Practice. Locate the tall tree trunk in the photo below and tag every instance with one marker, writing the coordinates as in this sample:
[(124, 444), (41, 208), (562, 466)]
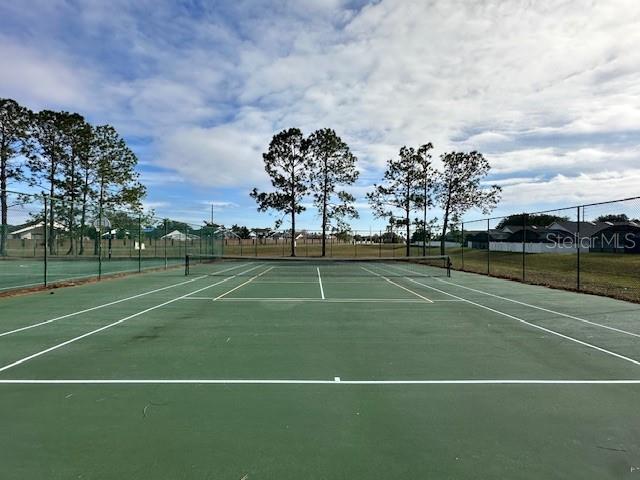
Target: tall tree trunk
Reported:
[(293, 211), (293, 230), (52, 224), (83, 215), (72, 211), (99, 233), (408, 229), (424, 222), (324, 211), (4, 206), (324, 228), (407, 217)]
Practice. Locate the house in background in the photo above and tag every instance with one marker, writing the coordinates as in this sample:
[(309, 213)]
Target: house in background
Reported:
[(34, 231), (179, 236), (619, 237), (560, 237)]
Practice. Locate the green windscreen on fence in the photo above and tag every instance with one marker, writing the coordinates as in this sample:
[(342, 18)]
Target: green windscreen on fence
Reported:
[(48, 241)]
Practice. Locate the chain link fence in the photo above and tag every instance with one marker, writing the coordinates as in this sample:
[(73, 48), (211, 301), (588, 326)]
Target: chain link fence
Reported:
[(47, 241), (593, 248), (352, 243)]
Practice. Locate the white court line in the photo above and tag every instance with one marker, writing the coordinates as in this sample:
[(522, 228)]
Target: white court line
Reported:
[(320, 281), (122, 320), (22, 286), (243, 284), (544, 309), (86, 310), (280, 282), (566, 315), (533, 325), (398, 285), (335, 381), (314, 299)]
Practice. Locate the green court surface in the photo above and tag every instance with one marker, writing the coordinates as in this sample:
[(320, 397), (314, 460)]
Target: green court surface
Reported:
[(255, 369)]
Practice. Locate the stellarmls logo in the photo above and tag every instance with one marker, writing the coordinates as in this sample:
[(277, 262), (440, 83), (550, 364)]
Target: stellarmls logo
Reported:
[(615, 241)]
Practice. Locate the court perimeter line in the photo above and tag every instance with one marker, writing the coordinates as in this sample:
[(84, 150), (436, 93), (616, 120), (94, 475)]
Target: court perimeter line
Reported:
[(86, 310), (122, 320), (397, 285), (544, 329), (543, 309), (243, 284), (22, 286), (566, 315), (320, 281), (335, 381)]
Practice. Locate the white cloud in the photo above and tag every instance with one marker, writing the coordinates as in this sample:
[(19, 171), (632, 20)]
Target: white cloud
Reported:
[(537, 86), (44, 80), (580, 189)]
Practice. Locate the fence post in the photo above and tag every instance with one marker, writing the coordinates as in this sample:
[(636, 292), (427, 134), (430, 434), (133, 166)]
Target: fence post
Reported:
[(578, 248), (488, 250), (99, 240), (139, 243), (524, 244), (462, 248), (46, 239), (166, 260)]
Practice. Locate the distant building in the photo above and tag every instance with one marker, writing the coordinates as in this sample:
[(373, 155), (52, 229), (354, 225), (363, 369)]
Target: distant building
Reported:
[(563, 236), (34, 231), (179, 236)]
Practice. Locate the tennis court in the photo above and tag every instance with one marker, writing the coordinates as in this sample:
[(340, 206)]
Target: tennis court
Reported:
[(355, 368)]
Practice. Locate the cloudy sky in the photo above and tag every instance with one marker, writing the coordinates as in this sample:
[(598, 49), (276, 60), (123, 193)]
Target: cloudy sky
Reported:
[(548, 91)]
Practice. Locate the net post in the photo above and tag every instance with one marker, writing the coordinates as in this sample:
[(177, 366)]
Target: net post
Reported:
[(578, 247), (448, 260), (186, 265), (45, 238)]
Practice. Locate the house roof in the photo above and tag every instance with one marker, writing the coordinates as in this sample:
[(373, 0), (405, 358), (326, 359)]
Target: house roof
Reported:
[(589, 229), (178, 235), (34, 226)]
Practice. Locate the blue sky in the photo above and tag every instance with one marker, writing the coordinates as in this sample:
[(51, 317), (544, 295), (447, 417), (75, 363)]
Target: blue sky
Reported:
[(548, 91)]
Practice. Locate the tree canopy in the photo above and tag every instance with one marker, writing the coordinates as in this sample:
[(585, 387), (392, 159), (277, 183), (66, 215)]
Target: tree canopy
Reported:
[(331, 166), (538, 220), (285, 163), (459, 188), (406, 187)]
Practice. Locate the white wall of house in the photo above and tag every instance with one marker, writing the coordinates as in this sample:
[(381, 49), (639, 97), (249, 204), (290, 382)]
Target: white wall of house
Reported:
[(436, 243), (534, 248)]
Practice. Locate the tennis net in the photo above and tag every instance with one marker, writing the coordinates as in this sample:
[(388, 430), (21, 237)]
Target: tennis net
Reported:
[(294, 267)]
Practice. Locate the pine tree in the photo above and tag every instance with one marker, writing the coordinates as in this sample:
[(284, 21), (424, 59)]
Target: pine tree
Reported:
[(287, 167), (331, 165)]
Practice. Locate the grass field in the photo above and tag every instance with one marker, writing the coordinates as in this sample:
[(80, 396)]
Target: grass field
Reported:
[(259, 369), (616, 275)]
